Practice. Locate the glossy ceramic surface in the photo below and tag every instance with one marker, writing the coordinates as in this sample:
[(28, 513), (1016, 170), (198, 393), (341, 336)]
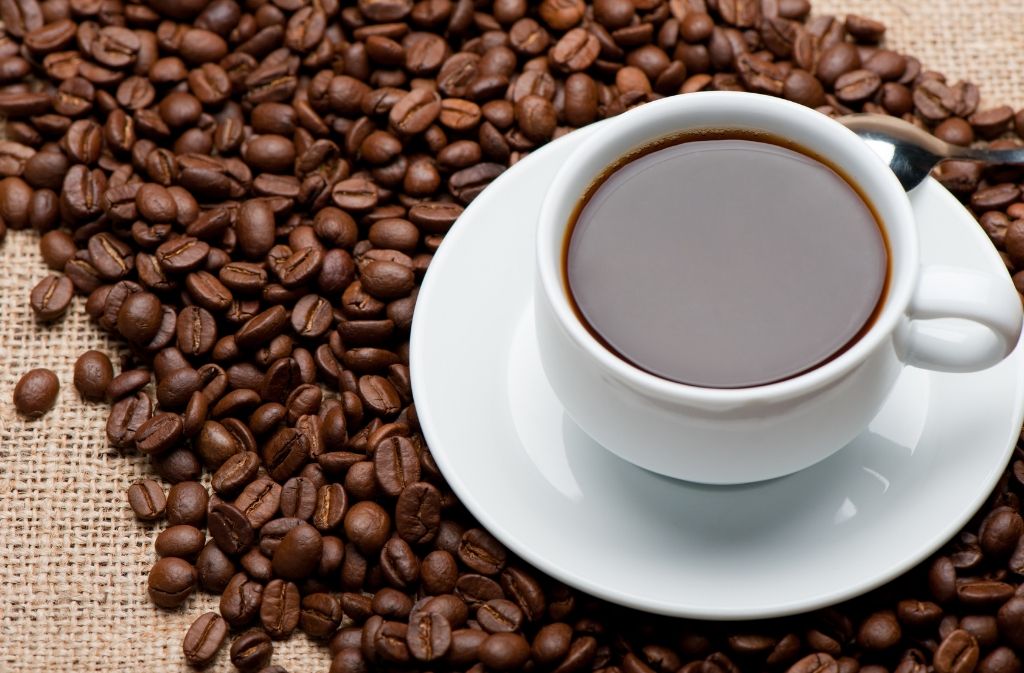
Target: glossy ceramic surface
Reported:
[(767, 431), (596, 522)]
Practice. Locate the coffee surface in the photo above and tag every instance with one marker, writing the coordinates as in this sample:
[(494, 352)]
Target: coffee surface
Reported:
[(726, 263)]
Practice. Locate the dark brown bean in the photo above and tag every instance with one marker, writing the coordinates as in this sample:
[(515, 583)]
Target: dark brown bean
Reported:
[(36, 392), (368, 526), (51, 297), (159, 433), (958, 653), (171, 581), (182, 541), (279, 609), (204, 638), (240, 602), (230, 528), (259, 501), (251, 651), (147, 500), (237, 471), (187, 504), (879, 631)]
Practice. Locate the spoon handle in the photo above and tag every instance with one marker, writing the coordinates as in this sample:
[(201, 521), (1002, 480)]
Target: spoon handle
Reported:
[(992, 157)]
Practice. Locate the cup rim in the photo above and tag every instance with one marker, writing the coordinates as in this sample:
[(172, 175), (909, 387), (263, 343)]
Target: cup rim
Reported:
[(588, 160)]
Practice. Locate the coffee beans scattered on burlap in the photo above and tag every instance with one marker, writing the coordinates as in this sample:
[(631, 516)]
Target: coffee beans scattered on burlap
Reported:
[(248, 194)]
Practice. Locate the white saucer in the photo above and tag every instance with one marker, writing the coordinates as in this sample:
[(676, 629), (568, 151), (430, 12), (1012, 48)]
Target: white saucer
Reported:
[(595, 522)]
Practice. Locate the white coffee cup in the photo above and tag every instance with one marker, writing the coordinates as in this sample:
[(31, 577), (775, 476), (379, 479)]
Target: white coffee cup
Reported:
[(730, 436)]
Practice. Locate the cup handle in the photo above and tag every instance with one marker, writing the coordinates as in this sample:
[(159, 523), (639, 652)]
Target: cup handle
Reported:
[(985, 299)]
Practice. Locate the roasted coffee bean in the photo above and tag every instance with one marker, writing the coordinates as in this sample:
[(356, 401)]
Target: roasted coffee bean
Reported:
[(391, 604), (312, 316), (504, 651), (262, 327), (918, 614), (140, 317), (51, 297), (147, 500), (955, 131), (187, 503), (251, 651), (356, 194), (415, 111), (285, 453), (203, 639), (56, 248), (438, 573), (36, 392), (525, 591), (499, 616), (481, 552), (243, 277), (880, 631), (174, 390), (259, 501), (399, 564), (991, 123), (1000, 660), (171, 581), (332, 557), (230, 528), (321, 613), (196, 331), (396, 465), (466, 185), (177, 465), (476, 589), (575, 51), (159, 433), (857, 85), (368, 525), (194, 415), (418, 513), (435, 217), (1010, 619), (465, 646), (182, 254), (1000, 532), (331, 506), (240, 602), (279, 610), (984, 594), (379, 395), (957, 653), (552, 642), (429, 636), (181, 541), (237, 471), (214, 568), (298, 498)]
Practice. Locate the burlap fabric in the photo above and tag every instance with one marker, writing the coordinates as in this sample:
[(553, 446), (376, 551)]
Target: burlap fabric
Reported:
[(73, 560)]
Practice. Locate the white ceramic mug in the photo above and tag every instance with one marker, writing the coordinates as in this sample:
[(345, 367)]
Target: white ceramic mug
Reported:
[(730, 436)]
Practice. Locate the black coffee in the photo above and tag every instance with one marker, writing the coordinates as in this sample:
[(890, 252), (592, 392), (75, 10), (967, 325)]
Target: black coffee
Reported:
[(726, 260)]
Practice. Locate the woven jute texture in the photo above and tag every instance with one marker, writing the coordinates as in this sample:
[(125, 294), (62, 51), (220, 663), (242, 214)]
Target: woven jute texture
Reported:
[(73, 560)]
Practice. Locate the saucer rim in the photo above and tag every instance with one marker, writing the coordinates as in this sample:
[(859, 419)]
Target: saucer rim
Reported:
[(929, 190)]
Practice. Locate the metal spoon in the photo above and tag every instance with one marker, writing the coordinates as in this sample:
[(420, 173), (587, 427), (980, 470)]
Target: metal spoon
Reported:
[(912, 152)]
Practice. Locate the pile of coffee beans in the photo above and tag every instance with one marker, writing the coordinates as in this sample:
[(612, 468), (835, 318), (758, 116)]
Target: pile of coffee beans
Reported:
[(248, 193)]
